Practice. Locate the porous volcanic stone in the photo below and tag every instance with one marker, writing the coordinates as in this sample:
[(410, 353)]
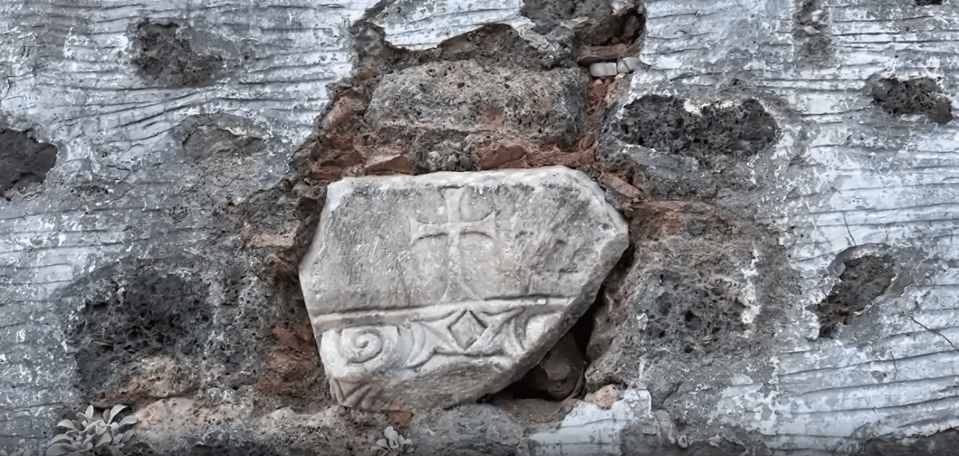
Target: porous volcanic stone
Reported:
[(465, 97), (431, 290)]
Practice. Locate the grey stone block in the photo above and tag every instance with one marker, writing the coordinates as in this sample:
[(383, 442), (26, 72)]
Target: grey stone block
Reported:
[(603, 69), (428, 291), (468, 98)]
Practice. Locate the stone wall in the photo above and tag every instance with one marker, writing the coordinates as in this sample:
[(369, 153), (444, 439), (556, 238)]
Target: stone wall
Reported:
[(787, 168)]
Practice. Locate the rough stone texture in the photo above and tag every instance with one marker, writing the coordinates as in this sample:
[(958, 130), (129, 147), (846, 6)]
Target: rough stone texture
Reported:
[(915, 96), (447, 119), (843, 174), (126, 190), (431, 290), (811, 33), (150, 171), (494, 126), (864, 278), (24, 161), (943, 443), (547, 25), (168, 59), (546, 107), (469, 430), (147, 174), (705, 134), (220, 422)]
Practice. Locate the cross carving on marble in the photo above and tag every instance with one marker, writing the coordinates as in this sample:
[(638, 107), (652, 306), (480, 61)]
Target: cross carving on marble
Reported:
[(455, 228)]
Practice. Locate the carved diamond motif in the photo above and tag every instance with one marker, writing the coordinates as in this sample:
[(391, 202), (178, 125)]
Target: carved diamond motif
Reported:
[(431, 290), (467, 329)]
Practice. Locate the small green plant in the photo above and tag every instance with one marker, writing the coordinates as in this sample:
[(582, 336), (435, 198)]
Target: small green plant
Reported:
[(20, 452), (91, 434), (393, 445)]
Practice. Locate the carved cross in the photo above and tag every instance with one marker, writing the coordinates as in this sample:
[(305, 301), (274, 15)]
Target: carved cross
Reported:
[(454, 228)]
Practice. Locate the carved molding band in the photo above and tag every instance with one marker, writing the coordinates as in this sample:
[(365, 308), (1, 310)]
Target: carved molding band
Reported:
[(429, 290)]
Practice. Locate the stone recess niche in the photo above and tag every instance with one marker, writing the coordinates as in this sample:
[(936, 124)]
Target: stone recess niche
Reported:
[(428, 291)]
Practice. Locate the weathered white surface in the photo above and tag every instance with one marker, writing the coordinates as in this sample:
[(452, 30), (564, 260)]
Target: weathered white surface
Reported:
[(603, 69), (83, 92), (66, 72), (591, 430), (427, 291), (866, 178), (421, 25)]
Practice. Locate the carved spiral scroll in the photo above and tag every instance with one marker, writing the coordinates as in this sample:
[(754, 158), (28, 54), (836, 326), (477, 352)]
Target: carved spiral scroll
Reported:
[(363, 345)]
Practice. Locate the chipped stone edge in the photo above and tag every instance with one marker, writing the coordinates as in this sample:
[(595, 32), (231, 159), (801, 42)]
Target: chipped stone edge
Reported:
[(613, 249)]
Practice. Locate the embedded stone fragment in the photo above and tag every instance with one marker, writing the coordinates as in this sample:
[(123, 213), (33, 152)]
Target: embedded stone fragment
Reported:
[(465, 97), (603, 69), (431, 290)]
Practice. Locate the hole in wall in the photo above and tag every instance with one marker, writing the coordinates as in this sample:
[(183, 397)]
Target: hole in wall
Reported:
[(561, 373)]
